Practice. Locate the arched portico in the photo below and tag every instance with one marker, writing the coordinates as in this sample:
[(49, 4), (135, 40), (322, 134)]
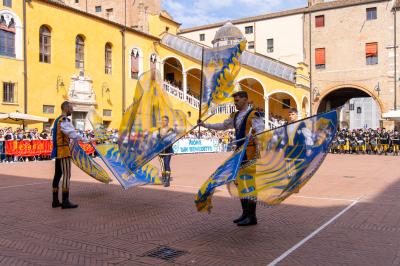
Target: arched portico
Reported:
[(355, 108), (193, 77), (173, 71), (280, 102)]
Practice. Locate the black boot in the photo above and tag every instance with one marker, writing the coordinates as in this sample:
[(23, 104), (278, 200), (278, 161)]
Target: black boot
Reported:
[(167, 177), (243, 202), (66, 204), (56, 203), (251, 218), (163, 178)]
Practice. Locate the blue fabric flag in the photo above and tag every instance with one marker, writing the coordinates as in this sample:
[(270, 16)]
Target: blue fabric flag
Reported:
[(225, 174)]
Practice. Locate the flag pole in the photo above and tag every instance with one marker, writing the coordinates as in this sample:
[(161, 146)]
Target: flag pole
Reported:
[(201, 86)]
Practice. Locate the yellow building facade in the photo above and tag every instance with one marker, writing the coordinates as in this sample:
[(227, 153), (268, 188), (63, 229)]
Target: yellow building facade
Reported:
[(90, 61)]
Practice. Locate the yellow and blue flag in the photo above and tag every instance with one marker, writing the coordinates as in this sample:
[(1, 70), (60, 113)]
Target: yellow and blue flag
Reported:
[(87, 164), (139, 135), (288, 157), (220, 67), (147, 174), (111, 156), (225, 174)]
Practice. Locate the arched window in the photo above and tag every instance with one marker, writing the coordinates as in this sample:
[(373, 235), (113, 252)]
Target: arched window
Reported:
[(153, 61), (108, 58), (135, 63), (79, 52), (7, 37), (44, 45)]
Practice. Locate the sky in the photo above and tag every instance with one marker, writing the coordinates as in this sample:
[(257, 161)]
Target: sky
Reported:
[(193, 13)]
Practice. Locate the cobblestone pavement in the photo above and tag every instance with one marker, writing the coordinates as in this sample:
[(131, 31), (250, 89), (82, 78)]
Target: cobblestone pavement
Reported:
[(113, 226)]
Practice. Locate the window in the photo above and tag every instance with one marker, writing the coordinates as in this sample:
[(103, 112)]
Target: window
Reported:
[(248, 29), (7, 37), (371, 53), (7, 3), (351, 107), (109, 12), (9, 92), (320, 58), (371, 13), (97, 8), (250, 45), (48, 109), (106, 112), (79, 52), (135, 63), (286, 104), (359, 110), (202, 37), (44, 45), (319, 21), (270, 45), (108, 59), (153, 61)]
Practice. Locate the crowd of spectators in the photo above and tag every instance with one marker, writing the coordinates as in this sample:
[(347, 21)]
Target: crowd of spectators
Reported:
[(276, 121), (19, 134), (357, 141), (366, 141), (8, 134)]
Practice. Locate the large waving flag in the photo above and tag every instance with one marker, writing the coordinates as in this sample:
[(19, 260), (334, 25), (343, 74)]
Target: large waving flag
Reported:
[(110, 154), (147, 174), (220, 67), (139, 140), (289, 157), (225, 174), (87, 164)]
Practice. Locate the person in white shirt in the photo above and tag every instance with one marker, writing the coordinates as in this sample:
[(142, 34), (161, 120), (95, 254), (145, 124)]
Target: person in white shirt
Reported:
[(63, 132)]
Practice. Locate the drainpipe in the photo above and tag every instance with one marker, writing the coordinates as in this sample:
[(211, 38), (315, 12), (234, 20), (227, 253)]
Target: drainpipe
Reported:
[(125, 14), (310, 61), (123, 71), (395, 58), (25, 62)]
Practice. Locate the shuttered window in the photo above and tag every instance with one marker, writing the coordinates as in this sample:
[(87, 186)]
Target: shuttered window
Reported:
[(371, 53), (319, 21), (320, 58)]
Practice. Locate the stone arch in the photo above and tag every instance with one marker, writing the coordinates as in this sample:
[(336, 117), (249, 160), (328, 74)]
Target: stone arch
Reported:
[(173, 70), (344, 93), (255, 90), (280, 102), (176, 58), (358, 110)]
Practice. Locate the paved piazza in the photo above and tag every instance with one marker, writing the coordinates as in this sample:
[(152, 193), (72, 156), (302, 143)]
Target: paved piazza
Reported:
[(348, 214)]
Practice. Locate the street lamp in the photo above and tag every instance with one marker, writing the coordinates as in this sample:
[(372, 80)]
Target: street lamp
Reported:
[(316, 94), (377, 88)]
